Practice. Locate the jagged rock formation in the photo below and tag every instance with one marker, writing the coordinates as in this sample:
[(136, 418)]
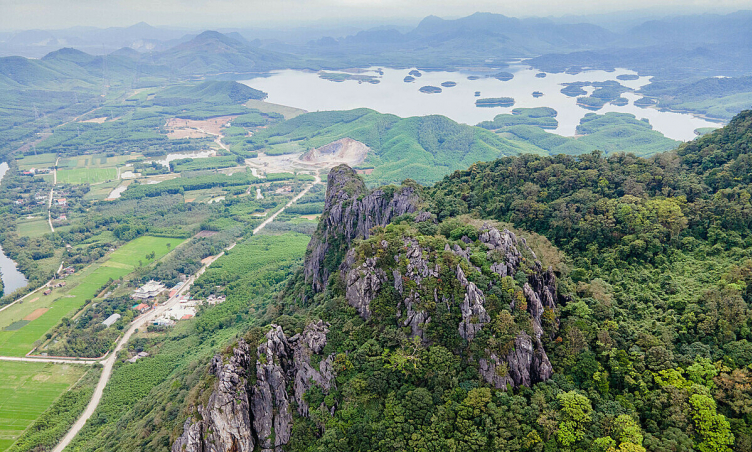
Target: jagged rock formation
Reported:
[(239, 417), (350, 211), (526, 363)]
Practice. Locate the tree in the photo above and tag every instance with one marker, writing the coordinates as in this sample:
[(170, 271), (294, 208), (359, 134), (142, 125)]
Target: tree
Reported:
[(576, 414), (713, 430)]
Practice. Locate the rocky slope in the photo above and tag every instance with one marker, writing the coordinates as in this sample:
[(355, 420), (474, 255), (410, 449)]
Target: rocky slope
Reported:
[(241, 416), (480, 292), (350, 211)]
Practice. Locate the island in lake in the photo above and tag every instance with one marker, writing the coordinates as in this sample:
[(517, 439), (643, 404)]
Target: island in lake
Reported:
[(537, 94), (341, 77), (473, 77), (495, 102), (477, 94), (541, 75), (415, 73), (645, 102), (430, 89), (409, 79), (503, 76), (449, 84), (620, 102), (627, 77)]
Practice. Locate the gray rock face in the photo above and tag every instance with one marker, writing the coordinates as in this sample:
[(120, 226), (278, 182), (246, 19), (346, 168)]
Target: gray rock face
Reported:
[(474, 315), (525, 364), (237, 417), (363, 284), (350, 211)]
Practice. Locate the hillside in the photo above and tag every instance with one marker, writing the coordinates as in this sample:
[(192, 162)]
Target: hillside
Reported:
[(421, 148)]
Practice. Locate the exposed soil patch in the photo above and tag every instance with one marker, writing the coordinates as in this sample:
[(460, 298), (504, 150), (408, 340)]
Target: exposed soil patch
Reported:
[(206, 234), (345, 150), (190, 128), (97, 120), (36, 314)]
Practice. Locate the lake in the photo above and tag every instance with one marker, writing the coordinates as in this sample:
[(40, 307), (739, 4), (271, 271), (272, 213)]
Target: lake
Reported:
[(12, 278), (306, 90)]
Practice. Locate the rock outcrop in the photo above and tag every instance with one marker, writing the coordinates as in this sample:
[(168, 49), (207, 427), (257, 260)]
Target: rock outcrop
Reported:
[(238, 416), (350, 211), (344, 150)]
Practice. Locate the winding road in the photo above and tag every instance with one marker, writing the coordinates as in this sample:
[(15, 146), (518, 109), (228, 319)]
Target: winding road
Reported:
[(140, 321)]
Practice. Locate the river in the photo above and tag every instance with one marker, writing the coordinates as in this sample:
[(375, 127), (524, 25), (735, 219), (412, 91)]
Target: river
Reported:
[(306, 90), (12, 278)]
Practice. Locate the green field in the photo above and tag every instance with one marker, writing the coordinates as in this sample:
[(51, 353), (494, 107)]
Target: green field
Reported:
[(96, 161), (33, 228), (86, 175), (28, 389), (37, 161), (82, 286)]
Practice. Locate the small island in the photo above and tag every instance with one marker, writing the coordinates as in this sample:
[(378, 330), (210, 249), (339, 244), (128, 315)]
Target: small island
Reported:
[(409, 79), (574, 89), (541, 75), (415, 73), (473, 77), (341, 77), (645, 102), (503, 76), (627, 77), (620, 102), (430, 89), (537, 94), (477, 94), (449, 84), (494, 102)]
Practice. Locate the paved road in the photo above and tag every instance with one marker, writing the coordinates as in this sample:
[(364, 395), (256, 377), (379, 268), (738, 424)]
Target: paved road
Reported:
[(149, 316)]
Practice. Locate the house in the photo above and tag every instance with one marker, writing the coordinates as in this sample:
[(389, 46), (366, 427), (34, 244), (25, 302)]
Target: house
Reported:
[(142, 307), (62, 202), (19, 202), (111, 320), (148, 290), (215, 299), (48, 291), (138, 356), (164, 322), (186, 317), (176, 289)]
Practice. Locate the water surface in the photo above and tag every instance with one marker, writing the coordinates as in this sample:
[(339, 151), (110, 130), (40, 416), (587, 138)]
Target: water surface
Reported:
[(12, 278), (308, 91)]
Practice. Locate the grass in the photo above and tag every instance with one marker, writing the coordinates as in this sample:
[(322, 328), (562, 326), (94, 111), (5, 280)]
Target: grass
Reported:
[(37, 161), (96, 161), (86, 175), (266, 107), (28, 389), (83, 286), (33, 228), (102, 191)]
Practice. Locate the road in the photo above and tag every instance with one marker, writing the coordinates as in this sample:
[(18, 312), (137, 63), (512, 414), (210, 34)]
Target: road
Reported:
[(139, 322)]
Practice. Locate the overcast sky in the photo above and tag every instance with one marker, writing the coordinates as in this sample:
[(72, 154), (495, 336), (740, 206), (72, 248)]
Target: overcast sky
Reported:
[(50, 14)]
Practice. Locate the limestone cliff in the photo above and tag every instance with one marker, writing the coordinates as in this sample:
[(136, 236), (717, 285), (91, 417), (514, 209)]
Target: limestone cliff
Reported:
[(350, 211), (239, 416)]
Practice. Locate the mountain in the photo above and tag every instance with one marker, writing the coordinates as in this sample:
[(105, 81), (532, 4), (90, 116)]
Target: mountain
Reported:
[(212, 52)]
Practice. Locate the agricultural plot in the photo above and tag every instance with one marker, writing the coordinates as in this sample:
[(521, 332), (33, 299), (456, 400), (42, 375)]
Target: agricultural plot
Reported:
[(96, 161), (28, 389), (33, 228), (86, 175), (37, 161), (20, 328)]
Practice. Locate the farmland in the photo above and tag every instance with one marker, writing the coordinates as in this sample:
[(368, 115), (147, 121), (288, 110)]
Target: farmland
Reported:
[(18, 335), (28, 390), (86, 175)]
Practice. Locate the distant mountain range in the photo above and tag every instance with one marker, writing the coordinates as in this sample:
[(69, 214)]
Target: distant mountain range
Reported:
[(682, 48)]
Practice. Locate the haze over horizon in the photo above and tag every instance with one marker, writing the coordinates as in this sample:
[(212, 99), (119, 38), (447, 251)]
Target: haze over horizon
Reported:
[(57, 14)]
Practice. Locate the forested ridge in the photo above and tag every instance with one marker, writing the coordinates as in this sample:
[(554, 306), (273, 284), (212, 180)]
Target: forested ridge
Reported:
[(649, 340)]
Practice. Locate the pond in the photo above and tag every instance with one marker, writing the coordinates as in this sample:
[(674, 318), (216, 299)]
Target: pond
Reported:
[(12, 278), (306, 90)]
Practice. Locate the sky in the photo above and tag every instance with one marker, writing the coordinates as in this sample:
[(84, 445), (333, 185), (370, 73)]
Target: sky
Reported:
[(56, 14)]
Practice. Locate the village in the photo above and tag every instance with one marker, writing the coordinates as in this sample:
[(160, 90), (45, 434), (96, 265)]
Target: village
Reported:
[(154, 293)]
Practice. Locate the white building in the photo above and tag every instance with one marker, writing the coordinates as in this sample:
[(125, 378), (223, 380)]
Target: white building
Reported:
[(111, 320), (148, 290)]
